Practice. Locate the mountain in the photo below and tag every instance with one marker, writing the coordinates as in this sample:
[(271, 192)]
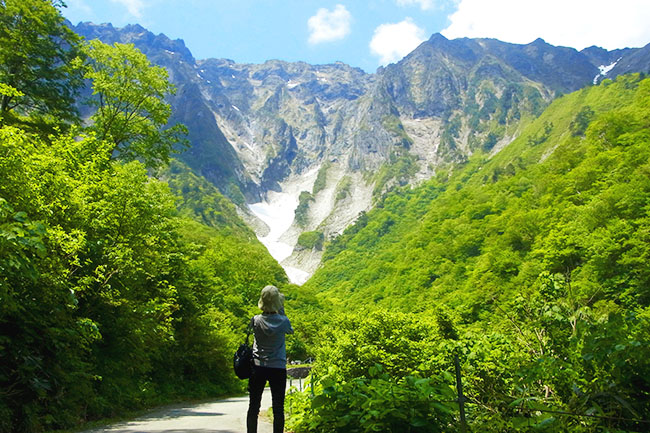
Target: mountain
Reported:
[(637, 61), (526, 270), (569, 197), (326, 141), (210, 154)]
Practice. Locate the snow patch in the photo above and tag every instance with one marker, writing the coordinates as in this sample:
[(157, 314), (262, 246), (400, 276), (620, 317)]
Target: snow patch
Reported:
[(322, 77), (326, 214), (235, 107), (605, 69), (297, 276), (277, 212), (170, 52), (248, 146)]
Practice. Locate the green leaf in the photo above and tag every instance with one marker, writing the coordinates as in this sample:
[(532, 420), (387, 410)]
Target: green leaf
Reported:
[(419, 422), (520, 422), (21, 216), (318, 401), (544, 423)]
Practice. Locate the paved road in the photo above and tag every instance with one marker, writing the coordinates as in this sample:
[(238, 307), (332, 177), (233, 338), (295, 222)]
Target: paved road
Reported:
[(222, 416)]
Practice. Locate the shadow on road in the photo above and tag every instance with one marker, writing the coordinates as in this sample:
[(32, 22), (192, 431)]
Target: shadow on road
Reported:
[(223, 416), (180, 412), (179, 431)]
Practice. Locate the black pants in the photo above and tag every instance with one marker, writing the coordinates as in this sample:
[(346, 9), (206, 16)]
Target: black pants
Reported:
[(277, 378)]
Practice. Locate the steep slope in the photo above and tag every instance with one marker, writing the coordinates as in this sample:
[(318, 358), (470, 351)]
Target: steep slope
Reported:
[(210, 154), (569, 196), (321, 144), (636, 61)]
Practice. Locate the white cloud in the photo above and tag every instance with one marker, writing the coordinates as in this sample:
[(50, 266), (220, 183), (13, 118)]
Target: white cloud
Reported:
[(327, 26), (391, 42), (573, 23), (424, 4), (134, 7)]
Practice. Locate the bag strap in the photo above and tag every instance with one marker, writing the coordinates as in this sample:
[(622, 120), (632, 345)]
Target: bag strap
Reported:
[(249, 330)]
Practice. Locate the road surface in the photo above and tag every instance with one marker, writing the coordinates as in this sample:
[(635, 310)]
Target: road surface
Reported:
[(222, 416)]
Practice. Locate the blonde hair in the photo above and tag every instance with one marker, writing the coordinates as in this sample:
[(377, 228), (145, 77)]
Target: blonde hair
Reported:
[(271, 300)]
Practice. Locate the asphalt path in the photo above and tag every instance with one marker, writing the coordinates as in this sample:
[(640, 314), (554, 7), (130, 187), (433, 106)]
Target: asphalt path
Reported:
[(222, 416)]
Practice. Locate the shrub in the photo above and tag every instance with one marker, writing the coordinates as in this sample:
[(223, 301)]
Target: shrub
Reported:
[(311, 240)]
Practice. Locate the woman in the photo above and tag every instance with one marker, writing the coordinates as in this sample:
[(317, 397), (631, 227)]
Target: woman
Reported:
[(269, 358)]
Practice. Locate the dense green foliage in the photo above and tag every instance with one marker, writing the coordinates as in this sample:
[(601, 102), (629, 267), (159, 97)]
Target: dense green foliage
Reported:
[(110, 300), (321, 178), (377, 402), (374, 373), (540, 255), (203, 202), (129, 94), (302, 210), (40, 60), (116, 292), (552, 357), (310, 240)]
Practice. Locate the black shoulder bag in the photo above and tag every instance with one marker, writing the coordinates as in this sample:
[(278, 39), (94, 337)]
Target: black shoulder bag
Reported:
[(243, 359)]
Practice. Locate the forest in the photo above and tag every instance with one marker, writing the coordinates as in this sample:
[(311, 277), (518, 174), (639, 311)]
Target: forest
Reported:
[(530, 266), (126, 280)]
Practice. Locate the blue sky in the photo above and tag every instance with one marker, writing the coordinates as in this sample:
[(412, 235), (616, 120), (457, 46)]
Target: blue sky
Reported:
[(367, 33)]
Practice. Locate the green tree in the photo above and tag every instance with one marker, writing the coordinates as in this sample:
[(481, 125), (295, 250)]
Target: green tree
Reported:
[(310, 240), (40, 59), (579, 125), (108, 299), (129, 94), (302, 210)]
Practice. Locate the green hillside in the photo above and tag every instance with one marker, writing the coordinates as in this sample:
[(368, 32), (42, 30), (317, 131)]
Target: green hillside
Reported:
[(569, 196), (531, 266), (126, 280), (202, 201), (118, 290)]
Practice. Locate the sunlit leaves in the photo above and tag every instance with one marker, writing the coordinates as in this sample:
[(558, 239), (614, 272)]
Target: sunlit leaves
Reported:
[(541, 254), (39, 60), (104, 291), (129, 94)]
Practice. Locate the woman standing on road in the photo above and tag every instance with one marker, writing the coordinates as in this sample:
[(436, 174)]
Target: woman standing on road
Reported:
[(269, 358)]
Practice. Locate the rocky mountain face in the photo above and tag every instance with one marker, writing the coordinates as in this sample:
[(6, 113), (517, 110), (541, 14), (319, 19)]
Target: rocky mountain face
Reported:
[(210, 154), (326, 140)]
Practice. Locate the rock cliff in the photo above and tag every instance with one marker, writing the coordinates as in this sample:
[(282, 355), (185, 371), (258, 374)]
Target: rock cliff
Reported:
[(333, 138)]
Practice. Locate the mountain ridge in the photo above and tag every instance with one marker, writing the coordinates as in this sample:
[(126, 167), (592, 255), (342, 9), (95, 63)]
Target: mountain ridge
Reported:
[(493, 227), (257, 128)]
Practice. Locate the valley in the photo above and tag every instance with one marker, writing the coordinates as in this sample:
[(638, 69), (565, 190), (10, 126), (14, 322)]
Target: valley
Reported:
[(258, 130), (278, 213), (475, 215)]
